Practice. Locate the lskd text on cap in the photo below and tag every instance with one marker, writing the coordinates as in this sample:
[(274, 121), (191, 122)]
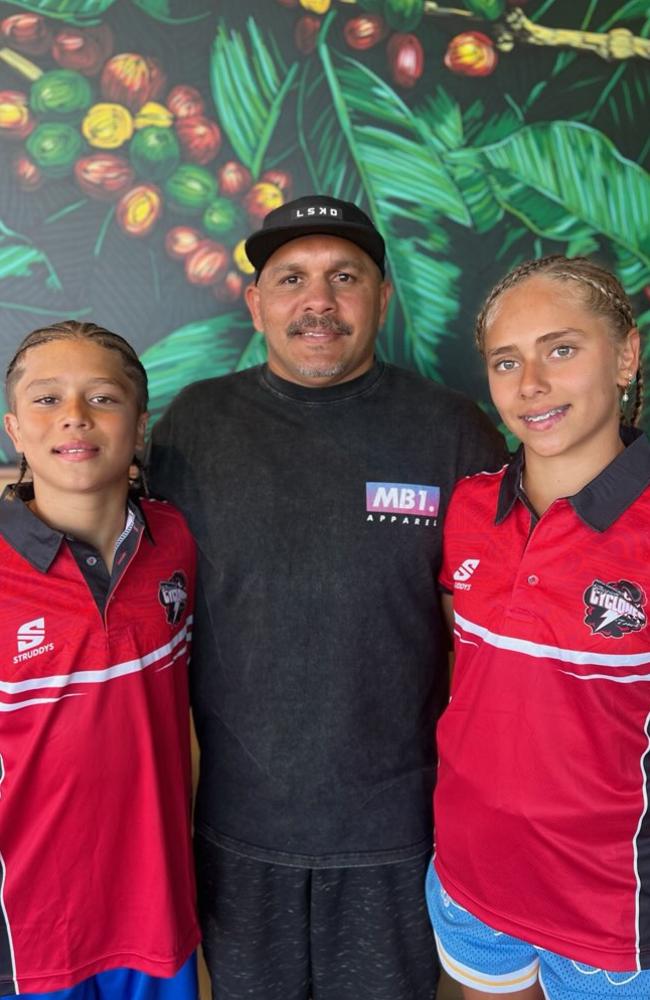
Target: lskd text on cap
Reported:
[(316, 210)]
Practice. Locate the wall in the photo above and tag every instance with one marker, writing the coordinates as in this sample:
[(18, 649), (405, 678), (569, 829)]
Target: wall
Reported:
[(476, 135)]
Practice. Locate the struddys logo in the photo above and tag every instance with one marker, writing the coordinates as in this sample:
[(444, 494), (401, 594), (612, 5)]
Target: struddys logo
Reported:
[(31, 640), (403, 503), (613, 609), (172, 594)]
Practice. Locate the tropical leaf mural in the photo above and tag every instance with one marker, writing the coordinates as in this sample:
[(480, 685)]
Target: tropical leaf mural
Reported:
[(207, 346), (249, 88), (141, 141)]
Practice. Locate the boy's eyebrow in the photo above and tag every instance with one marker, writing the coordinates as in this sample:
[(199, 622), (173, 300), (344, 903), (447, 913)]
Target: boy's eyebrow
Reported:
[(36, 382), (553, 335), (53, 380)]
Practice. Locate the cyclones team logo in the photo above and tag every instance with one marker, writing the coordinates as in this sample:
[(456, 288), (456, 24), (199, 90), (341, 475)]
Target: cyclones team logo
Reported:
[(172, 594), (613, 609)]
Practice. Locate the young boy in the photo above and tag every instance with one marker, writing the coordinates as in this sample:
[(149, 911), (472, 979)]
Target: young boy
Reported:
[(96, 883)]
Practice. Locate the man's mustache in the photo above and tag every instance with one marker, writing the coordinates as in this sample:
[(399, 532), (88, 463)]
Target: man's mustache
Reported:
[(310, 321)]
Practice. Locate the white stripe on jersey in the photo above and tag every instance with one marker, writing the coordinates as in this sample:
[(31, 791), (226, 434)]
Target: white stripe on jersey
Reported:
[(13, 706), (541, 651), (99, 676)]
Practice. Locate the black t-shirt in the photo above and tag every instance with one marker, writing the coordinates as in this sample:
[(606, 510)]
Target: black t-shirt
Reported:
[(320, 656)]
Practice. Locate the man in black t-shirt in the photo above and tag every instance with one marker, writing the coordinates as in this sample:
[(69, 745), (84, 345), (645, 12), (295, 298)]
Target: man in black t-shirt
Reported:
[(315, 486)]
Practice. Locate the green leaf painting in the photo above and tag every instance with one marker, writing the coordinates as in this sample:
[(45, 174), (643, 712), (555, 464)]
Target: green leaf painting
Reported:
[(80, 12), (562, 179), (196, 351), (249, 88), (19, 258), (90, 12), (161, 10)]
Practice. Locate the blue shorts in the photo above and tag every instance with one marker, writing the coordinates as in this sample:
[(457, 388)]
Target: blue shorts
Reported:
[(487, 960), (127, 984)]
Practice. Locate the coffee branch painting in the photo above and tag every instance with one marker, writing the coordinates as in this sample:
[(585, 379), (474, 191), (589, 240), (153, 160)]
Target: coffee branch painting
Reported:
[(142, 140)]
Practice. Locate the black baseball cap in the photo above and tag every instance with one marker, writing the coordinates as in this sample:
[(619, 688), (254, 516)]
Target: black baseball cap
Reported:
[(315, 213)]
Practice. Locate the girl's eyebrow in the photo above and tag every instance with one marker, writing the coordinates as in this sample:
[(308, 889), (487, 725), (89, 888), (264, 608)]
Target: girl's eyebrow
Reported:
[(552, 335)]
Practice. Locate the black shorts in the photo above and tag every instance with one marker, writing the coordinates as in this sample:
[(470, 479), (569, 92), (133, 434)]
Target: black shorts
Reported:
[(274, 932)]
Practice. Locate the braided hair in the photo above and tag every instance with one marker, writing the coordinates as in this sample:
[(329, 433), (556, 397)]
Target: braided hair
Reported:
[(602, 293), (73, 330)]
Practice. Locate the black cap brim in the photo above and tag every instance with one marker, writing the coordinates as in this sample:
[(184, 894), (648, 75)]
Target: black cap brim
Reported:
[(262, 244)]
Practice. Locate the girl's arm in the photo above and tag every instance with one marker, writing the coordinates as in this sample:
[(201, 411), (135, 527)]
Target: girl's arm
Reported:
[(448, 612)]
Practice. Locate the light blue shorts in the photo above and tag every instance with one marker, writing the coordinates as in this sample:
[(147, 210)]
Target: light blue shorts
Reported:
[(127, 984), (487, 960)]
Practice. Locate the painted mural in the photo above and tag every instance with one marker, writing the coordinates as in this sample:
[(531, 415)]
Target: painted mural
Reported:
[(142, 140)]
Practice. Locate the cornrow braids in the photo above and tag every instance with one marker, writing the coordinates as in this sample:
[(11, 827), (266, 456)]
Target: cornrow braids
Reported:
[(602, 293), (514, 277), (138, 482), (22, 469), (72, 330)]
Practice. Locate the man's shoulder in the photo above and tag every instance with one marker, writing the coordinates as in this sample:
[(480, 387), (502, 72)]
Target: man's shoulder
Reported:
[(440, 398)]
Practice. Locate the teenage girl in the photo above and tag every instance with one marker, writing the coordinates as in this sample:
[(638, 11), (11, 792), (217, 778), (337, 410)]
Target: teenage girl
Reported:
[(96, 884), (541, 880)]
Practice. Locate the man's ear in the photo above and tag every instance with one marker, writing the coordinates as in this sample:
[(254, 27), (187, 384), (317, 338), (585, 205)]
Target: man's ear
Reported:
[(385, 295), (252, 296)]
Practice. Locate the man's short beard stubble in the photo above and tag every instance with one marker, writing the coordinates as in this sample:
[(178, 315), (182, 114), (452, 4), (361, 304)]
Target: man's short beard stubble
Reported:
[(312, 322)]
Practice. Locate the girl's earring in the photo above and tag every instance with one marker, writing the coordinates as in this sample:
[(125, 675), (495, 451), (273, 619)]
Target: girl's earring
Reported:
[(625, 398)]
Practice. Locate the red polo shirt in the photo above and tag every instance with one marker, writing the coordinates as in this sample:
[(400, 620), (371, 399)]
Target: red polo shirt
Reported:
[(95, 859), (541, 807)]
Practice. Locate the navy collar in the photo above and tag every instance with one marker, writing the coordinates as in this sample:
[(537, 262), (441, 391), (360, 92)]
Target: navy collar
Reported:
[(32, 538), (606, 497)]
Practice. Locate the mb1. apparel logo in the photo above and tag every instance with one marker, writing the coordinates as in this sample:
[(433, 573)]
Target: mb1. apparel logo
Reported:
[(613, 609), (406, 503)]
